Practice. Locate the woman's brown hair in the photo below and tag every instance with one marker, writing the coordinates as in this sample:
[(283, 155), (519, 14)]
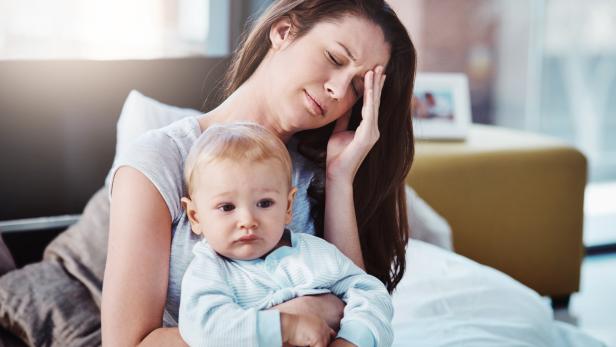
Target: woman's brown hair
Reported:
[(380, 200)]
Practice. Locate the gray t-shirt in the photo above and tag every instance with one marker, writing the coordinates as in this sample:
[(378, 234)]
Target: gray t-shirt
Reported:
[(159, 155)]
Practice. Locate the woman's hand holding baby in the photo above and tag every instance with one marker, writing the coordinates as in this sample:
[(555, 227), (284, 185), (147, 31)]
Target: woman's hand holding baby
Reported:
[(305, 330), (327, 306)]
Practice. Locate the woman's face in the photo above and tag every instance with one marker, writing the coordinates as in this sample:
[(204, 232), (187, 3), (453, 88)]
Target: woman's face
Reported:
[(318, 77)]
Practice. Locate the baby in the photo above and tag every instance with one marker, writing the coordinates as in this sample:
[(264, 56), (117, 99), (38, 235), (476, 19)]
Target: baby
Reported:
[(239, 199)]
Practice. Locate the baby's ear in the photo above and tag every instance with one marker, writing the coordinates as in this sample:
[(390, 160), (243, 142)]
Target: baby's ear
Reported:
[(191, 212), (290, 200)]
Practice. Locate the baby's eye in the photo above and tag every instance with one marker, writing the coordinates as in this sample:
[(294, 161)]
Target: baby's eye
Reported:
[(226, 207), (265, 203)]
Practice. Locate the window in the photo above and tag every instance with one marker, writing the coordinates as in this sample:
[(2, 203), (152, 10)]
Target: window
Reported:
[(112, 29), (545, 66)]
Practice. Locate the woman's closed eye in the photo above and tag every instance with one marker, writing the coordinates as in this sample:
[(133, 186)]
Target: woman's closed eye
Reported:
[(338, 63), (225, 207), (333, 59), (265, 203)]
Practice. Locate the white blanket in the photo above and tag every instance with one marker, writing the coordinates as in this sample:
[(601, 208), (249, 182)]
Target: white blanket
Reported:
[(445, 299)]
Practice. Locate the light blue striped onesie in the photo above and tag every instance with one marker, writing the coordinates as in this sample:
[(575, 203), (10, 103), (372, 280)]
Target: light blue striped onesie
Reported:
[(224, 302)]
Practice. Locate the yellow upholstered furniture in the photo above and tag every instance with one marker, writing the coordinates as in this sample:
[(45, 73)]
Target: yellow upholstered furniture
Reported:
[(514, 201)]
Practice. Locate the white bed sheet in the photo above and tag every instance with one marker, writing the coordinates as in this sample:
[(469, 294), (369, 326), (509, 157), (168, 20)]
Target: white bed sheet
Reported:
[(445, 299)]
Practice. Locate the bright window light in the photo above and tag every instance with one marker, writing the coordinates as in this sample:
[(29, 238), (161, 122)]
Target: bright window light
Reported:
[(102, 29)]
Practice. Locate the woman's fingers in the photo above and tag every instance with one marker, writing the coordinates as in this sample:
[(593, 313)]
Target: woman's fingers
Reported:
[(378, 85), (368, 106), (367, 133), (374, 81), (378, 90)]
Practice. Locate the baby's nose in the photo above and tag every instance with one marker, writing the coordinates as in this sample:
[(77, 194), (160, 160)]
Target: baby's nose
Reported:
[(247, 220)]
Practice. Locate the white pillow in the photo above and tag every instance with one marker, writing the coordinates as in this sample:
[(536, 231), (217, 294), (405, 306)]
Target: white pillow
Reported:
[(141, 113), (427, 225)]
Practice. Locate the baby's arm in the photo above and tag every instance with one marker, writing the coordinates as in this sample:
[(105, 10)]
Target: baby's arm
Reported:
[(369, 310)]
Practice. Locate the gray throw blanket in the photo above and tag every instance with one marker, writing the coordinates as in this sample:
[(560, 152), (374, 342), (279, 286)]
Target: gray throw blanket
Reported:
[(56, 302)]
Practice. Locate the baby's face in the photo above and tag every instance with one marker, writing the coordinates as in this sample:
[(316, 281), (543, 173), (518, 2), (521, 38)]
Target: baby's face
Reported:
[(242, 207)]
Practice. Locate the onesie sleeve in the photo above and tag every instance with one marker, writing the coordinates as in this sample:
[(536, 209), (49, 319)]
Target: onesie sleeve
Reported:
[(369, 310)]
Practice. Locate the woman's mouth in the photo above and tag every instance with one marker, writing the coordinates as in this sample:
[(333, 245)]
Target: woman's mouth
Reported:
[(314, 107)]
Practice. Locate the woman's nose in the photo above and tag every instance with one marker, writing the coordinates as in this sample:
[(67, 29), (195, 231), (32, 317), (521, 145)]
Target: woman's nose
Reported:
[(338, 85)]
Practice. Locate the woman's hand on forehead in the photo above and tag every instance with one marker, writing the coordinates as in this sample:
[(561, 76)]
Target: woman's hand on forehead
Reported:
[(347, 149)]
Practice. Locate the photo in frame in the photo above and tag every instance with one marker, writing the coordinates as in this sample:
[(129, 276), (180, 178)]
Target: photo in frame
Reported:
[(441, 106)]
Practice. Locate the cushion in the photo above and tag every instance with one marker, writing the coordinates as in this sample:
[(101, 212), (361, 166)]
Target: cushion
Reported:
[(82, 248), (141, 114), (56, 302), (44, 306), (425, 223)]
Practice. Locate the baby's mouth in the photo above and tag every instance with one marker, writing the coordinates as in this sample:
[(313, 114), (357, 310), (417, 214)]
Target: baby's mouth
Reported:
[(248, 238)]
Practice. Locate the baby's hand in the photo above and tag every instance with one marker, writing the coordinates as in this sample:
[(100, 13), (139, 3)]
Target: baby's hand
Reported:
[(305, 330)]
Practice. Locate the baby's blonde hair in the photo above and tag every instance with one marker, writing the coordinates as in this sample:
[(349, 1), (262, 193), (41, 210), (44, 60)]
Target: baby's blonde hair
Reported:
[(240, 141)]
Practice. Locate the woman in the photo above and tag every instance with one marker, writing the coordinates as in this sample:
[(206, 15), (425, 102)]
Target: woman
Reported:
[(301, 72)]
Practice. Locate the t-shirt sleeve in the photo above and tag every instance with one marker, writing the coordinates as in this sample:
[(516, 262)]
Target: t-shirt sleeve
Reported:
[(160, 159)]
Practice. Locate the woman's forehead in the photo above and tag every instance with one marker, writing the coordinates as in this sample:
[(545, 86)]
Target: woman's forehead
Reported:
[(360, 38)]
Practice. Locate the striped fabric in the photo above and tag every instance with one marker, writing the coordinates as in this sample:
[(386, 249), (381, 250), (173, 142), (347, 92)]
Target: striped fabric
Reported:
[(224, 302)]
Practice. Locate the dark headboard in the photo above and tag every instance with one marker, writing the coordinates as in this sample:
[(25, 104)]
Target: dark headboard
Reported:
[(57, 123)]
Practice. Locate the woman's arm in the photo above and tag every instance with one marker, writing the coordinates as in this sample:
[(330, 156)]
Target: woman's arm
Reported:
[(164, 337), (346, 150), (137, 268), (340, 220)]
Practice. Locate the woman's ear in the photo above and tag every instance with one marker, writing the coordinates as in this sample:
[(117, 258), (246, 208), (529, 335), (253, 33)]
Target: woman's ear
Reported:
[(191, 212), (290, 199), (281, 33)]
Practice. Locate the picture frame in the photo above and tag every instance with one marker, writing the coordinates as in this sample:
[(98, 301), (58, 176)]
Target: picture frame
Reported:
[(440, 106)]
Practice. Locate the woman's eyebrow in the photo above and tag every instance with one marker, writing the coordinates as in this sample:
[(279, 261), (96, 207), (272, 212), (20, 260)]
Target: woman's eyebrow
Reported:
[(347, 51)]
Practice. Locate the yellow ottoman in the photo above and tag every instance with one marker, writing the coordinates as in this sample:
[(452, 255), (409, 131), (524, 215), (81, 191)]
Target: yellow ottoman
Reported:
[(514, 201)]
